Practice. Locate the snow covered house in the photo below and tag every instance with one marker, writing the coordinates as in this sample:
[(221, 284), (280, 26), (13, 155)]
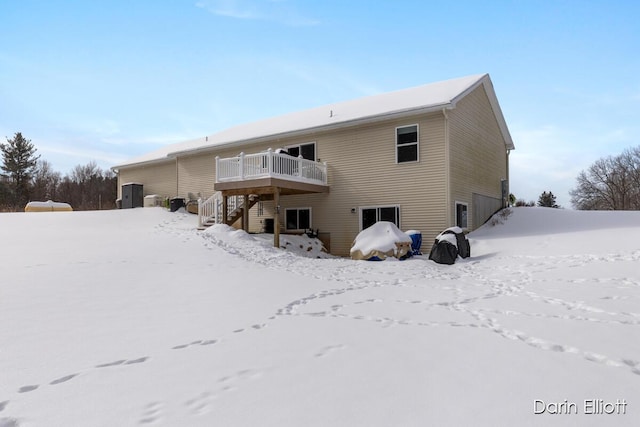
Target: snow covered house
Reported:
[(425, 158)]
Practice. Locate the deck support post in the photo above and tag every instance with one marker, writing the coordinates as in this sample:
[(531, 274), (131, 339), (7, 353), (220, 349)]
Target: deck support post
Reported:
[(225, 209), (245, 213), (276, 217)]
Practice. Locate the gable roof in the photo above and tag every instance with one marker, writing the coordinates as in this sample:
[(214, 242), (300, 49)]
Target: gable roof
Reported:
[(421, 99)]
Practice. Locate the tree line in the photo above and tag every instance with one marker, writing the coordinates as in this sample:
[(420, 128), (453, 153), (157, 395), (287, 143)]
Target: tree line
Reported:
[(546, 200), (25, 177), (610, 183)]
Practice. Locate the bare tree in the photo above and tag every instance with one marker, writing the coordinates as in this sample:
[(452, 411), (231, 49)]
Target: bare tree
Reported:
[(610, 183), (88, 187), (523, 203), (45, 182)]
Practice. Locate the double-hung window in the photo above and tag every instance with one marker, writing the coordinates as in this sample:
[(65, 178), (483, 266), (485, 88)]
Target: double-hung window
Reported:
[(407, 144), (297, 218), (373, 214)]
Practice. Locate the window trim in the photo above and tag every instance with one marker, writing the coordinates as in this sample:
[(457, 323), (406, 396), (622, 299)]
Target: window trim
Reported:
[(299, 146), (466, 205), (286, 210), (417, 143), (377, 208)]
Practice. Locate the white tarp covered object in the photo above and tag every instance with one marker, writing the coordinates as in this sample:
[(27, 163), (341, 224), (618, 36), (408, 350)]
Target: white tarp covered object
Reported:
[(48, 206), (382, 240)]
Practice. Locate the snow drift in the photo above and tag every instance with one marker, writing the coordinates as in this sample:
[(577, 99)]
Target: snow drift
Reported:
[(139, 319)]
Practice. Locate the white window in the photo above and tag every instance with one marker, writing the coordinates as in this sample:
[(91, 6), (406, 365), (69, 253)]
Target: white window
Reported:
[(461, 215), (307, 151), (297, 218), (371, 214), (407, 144)]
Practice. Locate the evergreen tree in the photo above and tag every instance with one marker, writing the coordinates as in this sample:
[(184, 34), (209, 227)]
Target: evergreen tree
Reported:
[(547, 200), (19, 162)]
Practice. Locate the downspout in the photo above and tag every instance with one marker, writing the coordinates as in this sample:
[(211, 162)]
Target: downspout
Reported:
[(506, 202), (177, 179), (447, 168), (118, 186)]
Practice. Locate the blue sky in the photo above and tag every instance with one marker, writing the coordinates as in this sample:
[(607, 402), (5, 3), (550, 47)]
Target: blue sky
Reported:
[(108, 80)]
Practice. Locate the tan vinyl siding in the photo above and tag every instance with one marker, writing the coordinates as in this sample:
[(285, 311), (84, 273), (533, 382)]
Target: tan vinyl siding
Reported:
[(196, 175), (363, 171), (477, 152), (157, 178), (462, 158)]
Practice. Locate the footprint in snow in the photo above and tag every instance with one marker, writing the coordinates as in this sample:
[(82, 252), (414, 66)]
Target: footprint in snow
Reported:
[(63, 379), (3, 405), (180, 347), (27, 388), (201, 404), (9, 422), (134, 361), (116, 363), (123, 362), (197, 342), (329, 349), (151, 413)]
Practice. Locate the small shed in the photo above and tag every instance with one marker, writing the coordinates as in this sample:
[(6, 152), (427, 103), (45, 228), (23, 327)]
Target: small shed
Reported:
[(132, 195)]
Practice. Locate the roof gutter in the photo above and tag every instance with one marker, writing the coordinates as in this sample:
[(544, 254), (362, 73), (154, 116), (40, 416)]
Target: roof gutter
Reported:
[(116, 169)]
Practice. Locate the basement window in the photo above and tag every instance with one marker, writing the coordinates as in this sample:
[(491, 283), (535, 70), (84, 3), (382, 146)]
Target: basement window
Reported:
[(372, 214), (297, 219)]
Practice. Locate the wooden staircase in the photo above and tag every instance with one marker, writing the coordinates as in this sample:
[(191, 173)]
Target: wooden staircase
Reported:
[(238, 211), (210, 210)]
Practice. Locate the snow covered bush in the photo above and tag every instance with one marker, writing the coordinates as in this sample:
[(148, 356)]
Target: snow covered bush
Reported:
[(501, 216)]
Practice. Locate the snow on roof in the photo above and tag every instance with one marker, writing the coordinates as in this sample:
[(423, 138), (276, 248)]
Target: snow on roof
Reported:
[(427, 97)]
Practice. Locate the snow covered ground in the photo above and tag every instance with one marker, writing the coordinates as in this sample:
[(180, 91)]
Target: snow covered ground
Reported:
[(132, 317)]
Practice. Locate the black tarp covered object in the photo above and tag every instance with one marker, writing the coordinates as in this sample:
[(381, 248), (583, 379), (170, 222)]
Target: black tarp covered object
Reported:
[(448, 245)]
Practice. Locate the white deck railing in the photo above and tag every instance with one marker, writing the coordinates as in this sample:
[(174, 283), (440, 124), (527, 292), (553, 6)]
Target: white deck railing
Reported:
[(210, 210), (270, 164)]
